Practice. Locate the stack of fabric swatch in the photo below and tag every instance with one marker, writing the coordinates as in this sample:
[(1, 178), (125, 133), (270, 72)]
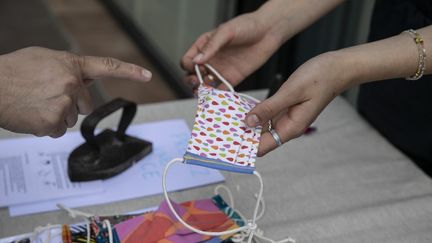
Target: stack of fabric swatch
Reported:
[(158, 226)]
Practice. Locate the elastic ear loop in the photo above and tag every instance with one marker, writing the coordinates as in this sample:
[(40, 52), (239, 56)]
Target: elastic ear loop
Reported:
[(239, 237), (218, 75), (222, 79), (250, 227)]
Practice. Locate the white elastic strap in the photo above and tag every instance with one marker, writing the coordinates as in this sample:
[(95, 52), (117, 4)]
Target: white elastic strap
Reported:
[(249, 227), (228, 191), (218, 75), (217, 190), (221, 78), (88, 231), (107, 224), (73, 213), (263, 207), (241, 236)]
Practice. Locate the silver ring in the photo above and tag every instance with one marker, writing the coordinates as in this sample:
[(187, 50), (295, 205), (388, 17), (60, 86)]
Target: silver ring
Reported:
[(275, 137)]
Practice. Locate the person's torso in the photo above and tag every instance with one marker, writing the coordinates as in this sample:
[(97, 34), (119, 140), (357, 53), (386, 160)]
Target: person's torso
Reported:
[(401, 110)]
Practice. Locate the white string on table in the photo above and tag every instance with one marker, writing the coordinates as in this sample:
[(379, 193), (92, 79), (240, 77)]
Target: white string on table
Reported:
[(249, 230)]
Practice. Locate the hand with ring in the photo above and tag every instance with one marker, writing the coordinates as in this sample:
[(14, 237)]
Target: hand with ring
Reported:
[(299, 101)]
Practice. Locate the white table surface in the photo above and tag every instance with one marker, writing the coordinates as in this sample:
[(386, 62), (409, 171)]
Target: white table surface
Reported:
[(344, 183)]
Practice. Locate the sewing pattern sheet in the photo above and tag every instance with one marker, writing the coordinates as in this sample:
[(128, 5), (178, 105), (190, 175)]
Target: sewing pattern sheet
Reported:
[(169, 140), (35, 169)]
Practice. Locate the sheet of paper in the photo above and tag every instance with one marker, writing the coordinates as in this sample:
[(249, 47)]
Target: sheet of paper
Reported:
[(35, 169), (169, 140)]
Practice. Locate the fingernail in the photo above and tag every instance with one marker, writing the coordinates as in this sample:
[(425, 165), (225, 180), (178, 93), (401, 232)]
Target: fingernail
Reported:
[(252, 121), (147, 74), (198, 58)]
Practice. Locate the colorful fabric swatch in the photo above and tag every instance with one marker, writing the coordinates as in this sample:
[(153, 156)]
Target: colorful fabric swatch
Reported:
[(161, 225)]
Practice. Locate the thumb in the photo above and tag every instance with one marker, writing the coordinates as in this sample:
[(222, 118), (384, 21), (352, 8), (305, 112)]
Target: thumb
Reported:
[(107, 67), (269, 108), (222, 36)]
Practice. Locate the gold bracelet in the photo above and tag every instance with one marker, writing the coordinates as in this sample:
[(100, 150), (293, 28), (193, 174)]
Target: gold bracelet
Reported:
[(418, 40)]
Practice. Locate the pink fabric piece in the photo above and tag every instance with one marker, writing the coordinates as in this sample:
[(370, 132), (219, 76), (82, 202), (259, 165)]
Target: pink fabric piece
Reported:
[(161, 225)]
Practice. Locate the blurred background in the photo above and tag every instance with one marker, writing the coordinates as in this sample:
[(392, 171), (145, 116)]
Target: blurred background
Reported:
[(156, 33)]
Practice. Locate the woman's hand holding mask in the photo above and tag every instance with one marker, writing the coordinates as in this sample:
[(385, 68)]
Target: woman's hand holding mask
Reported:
[(240, 46), (236, 48), (300, 99)]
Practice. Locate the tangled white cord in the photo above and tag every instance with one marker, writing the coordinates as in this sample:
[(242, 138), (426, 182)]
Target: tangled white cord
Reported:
[(249, 227), (249, 231), (232, 205)]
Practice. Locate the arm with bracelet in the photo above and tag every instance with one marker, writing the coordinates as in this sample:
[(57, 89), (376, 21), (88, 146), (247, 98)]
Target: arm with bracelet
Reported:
[(314, 84), (404, 55)]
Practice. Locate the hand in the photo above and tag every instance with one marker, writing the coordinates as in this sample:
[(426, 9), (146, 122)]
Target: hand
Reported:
[(42, 91), (236, 48), (240, 46), (300, 99)]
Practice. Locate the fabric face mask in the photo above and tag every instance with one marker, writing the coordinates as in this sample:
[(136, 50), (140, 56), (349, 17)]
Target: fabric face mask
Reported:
[(220, 139)]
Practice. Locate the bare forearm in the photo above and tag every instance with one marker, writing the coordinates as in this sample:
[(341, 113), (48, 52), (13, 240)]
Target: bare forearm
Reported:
[(395, 57), (289, 17)]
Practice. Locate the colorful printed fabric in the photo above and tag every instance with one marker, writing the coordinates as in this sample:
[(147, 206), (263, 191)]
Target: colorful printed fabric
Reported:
[(220, 139), (224, 207), (161, 225)]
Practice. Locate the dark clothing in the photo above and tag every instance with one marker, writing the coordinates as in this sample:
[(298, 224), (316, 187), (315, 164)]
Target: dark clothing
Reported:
[(401, 110)]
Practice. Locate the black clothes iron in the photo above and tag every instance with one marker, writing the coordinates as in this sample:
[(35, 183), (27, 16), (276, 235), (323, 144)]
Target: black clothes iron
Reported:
[(110, 152)]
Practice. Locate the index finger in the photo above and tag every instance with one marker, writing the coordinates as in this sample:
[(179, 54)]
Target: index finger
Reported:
[(187, 62), (108, 67)]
